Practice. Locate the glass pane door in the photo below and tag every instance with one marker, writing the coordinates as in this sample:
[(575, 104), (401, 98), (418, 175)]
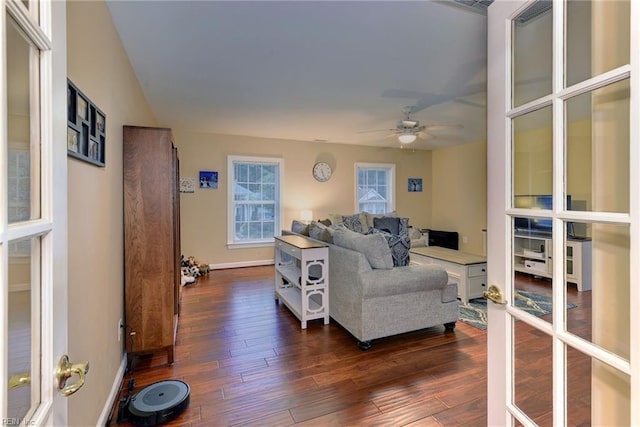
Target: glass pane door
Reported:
[(569, 187)]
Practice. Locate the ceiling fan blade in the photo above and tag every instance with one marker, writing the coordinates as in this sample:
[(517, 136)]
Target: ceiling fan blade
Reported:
[(443, 127), (375, 130), (472, 104)]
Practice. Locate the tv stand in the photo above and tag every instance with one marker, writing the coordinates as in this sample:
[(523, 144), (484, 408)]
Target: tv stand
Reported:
[(532, 254)]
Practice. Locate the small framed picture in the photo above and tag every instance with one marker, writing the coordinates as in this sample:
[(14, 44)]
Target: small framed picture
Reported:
[(94, 150), (208, 180), (100, 122), (72, 140), (415, 184), (187, 185), (82, 108)]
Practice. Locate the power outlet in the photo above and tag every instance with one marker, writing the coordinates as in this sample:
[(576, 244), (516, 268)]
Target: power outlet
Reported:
[(465, 239), (120, 329)]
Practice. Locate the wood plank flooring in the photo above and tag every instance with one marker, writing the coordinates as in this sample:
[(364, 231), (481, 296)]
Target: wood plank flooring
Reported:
[(248, 363)]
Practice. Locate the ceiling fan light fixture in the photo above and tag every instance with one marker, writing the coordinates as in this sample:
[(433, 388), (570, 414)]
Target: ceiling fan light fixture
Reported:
[(407, 138)]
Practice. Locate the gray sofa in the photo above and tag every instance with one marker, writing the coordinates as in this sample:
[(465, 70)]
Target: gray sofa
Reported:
[(373, 303)]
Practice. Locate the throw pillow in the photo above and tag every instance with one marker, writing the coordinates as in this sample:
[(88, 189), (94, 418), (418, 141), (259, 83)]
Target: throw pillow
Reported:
[(388, 224), (354, 223), (369, 217), (326, 222), (399, 246), (300, 227), (374, 247), (335, 218), (320, 231)]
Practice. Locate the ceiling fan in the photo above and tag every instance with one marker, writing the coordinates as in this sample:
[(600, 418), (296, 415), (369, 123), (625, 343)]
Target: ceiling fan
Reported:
[(408, 129)]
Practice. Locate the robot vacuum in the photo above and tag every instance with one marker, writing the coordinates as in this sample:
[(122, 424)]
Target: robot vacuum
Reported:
[(155, 404)]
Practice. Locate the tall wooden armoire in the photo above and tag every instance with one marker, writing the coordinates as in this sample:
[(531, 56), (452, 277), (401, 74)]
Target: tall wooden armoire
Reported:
[(151, 239)]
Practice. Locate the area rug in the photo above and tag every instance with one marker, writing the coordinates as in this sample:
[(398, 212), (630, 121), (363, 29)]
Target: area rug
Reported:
[(474, 312)]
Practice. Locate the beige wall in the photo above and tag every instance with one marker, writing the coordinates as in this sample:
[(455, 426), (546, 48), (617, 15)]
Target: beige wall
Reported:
[(459, 201), (98, 65), (204, 213)]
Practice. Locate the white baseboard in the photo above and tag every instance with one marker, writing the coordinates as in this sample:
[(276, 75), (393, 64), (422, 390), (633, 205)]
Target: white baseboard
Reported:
[(241, 264), (113, 394)]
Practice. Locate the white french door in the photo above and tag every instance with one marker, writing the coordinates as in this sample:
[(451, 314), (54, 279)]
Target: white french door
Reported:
[(33, 213), (564, 173)]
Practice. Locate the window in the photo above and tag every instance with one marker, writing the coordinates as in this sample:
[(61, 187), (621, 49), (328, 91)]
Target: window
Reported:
[(254, 200), (375, 187)]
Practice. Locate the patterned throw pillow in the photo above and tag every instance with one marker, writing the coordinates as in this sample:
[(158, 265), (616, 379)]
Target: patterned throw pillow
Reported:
[(388, 224), (398, 243), (354, 223)]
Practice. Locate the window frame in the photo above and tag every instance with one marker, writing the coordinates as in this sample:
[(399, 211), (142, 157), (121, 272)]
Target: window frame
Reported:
[(390, 169), (232, 160)]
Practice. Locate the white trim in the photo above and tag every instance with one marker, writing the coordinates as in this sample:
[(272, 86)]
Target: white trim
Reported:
[(113, 394), (25, 20), (246, 245), (634, 209), (241, 264), (391, 168), (231, 159)]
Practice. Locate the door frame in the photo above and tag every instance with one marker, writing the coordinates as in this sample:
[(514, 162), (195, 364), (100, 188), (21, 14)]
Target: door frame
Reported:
[(499, 237), (49, 35)]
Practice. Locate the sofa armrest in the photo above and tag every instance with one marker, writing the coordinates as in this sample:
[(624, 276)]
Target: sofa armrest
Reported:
[(402, 280)]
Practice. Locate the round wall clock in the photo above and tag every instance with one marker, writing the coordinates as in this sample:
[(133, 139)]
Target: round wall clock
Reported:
[(322, 171)]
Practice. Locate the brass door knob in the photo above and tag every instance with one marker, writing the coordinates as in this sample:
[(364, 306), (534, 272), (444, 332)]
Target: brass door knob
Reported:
[(65, 370), (494, 294), (19, 380)]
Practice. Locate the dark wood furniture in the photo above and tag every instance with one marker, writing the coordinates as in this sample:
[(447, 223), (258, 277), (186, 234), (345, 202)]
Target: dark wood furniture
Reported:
[(151, 239)]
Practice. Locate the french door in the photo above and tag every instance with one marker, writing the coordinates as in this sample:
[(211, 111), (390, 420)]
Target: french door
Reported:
[(33, 248), (564, 126)]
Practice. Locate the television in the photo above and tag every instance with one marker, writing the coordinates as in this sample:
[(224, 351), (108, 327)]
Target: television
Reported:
[(536, 225)]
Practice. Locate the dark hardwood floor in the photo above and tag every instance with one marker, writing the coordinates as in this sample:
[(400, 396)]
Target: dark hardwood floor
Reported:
[(248, 363)]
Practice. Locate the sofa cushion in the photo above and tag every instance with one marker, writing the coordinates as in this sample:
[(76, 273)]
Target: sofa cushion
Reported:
[(403, 280), (387, 223), (325, 221), (300, 227), (319, 231), (398, 244), (373, 246), (369, 217), (355, 223)]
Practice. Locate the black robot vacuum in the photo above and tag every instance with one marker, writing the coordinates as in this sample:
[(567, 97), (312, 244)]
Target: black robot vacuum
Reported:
[(155, 404)]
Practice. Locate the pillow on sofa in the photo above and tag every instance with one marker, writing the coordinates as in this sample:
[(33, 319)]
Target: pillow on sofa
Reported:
[(388, 224), (335, 219), (326, 221), (300, 227), (369, 217), (399, 243), (320, 231), (356, 222), (373, 246)]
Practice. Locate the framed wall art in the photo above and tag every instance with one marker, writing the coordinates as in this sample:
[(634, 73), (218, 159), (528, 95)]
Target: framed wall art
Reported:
[(415, 184), (86, 124), (208, 180), (187, 185)]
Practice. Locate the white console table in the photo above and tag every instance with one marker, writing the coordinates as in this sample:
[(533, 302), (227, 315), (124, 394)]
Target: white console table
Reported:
[(469, 271), (302, 277)]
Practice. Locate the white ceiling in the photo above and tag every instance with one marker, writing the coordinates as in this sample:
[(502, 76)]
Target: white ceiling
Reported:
[(309, 70)]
